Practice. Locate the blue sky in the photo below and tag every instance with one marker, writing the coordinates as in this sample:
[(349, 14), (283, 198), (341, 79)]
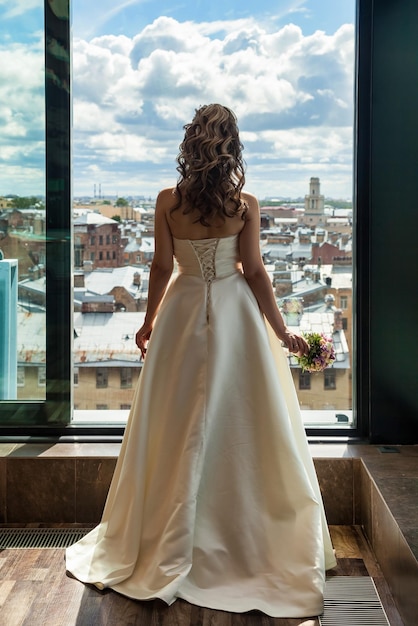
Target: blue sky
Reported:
[(141, 67), (130, 16)]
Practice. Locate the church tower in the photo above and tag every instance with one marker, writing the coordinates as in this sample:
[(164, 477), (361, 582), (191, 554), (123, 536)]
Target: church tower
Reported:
[(314, 205)]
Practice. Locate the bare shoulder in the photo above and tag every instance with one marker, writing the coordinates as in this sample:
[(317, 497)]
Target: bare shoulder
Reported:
[(252, 202), (249, 197), (166, 200), (167, 197)]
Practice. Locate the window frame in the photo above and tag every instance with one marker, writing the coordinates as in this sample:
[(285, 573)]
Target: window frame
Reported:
[(102, 377), (21, 376), (330, 379), (41, 376), (305, 383), (125, 378), (52, 418)]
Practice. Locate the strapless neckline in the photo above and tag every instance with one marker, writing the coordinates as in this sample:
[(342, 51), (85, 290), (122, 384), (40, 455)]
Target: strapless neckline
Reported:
[(206, 238)]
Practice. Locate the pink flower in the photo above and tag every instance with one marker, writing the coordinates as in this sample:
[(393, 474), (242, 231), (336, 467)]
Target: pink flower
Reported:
[(321, 353)]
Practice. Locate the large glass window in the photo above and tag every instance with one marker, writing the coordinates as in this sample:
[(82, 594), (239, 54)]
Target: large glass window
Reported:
[(22, 202), (138, 74)]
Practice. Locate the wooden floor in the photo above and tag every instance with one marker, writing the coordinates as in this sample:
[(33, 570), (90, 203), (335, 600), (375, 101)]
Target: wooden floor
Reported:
[(35, 591)]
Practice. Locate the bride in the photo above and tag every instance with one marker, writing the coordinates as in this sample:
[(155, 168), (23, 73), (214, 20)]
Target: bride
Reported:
[(214, 498)]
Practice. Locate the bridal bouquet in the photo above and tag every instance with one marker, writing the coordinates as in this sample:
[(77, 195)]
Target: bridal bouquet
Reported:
[(321, 353)]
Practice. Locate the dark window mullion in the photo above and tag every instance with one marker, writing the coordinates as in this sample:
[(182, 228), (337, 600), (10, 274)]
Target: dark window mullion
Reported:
[(58, 216)]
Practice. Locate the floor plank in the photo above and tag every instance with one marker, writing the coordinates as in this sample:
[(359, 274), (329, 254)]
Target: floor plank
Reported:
[(35, 591), (345, 542)]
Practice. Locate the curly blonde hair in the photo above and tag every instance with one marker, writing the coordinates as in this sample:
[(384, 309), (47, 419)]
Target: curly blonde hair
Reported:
[(211, 166)]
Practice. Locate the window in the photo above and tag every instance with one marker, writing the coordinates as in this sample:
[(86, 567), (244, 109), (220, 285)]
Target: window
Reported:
[(75, 376), (344, 302), (312, 202), (20, 376), (41, 376), (102, 407), (125, 407), (101, 378), (49, 328), (22, 26), (61, 205), (125, 377), (304, 380), (330, 379), (23, 210)]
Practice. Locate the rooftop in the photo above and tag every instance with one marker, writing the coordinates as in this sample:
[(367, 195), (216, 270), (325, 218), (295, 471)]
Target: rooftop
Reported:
[(102, 281), (106, 339), (92, 218)]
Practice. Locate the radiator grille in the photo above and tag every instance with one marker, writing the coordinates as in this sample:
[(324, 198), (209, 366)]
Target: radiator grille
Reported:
[(352, 601), (40, 537)]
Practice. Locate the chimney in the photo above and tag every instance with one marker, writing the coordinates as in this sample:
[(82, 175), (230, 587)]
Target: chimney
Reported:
[(79, 280)]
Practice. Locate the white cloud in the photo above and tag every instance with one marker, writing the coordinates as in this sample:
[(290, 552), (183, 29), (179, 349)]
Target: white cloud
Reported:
[(18, 7), (293, 95), (22, 119)]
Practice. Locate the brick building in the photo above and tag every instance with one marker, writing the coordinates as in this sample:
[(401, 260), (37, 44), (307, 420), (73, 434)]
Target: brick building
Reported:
[(97, 242)]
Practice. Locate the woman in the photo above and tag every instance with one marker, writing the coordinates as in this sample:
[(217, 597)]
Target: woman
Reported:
[(214, 498)]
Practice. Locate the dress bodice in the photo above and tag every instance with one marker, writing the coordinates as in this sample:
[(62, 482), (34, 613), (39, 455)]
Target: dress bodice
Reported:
[(210, 259)]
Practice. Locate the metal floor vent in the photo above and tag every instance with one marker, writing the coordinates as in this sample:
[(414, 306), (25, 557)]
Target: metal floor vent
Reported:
[(40, 537), (352, 601)]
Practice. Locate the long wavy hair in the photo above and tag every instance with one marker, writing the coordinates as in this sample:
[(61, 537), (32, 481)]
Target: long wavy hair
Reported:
[(211, 167)]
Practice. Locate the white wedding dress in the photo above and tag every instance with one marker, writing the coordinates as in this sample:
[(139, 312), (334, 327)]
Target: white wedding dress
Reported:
[(214, 498)]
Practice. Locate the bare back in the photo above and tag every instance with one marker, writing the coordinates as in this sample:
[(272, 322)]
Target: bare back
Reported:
[(186, 226)]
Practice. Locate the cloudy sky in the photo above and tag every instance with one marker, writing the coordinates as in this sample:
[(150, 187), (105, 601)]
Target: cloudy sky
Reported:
[(141, 67)]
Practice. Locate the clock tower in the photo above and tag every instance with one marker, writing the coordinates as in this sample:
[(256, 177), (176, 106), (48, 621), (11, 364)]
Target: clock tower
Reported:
[(314, 205)]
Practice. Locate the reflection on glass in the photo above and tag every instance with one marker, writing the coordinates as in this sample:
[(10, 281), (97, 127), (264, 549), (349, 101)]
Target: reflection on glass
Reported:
[(22, 202), (137, 78)]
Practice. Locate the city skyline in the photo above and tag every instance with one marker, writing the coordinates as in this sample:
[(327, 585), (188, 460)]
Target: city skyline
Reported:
[(140, 70)]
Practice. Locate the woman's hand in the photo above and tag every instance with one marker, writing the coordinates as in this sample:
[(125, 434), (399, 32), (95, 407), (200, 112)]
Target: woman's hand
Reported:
[(295, 343), (142, 338)]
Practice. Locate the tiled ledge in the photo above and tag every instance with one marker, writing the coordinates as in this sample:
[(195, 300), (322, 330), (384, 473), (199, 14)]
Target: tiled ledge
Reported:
[(68, 482), (376, 487)]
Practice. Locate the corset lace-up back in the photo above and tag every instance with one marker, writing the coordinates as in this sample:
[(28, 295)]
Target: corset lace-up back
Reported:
[(206, 253), (210, 259)]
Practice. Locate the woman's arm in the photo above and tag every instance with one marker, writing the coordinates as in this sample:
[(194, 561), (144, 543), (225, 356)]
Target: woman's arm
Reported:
[(161, 270), (259, 281)]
